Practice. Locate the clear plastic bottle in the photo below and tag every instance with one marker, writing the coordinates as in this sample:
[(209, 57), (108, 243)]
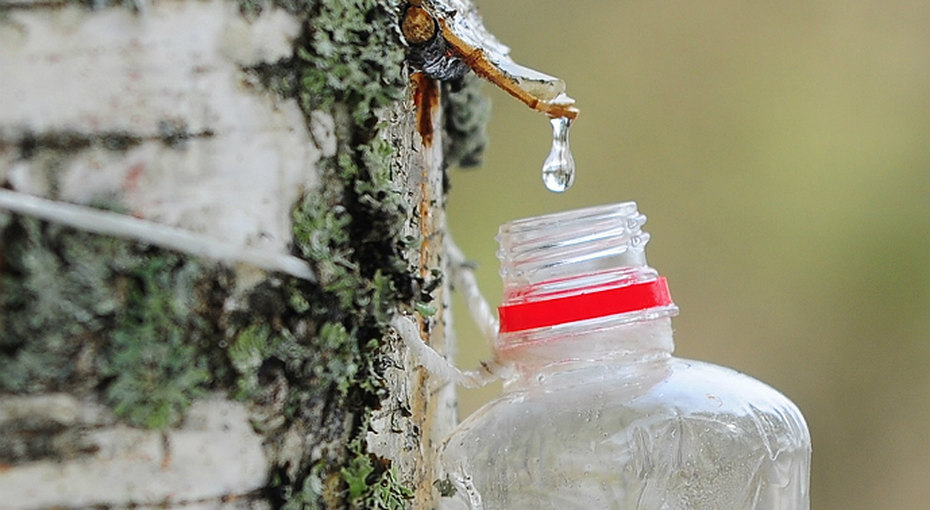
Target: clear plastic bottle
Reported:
[(598, 414)]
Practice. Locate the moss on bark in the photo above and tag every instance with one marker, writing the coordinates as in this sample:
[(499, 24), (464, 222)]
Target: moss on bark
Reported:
[(90, 314)]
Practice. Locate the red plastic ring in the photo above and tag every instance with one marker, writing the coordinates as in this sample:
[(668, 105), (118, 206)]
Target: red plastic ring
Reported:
[(586, 305)]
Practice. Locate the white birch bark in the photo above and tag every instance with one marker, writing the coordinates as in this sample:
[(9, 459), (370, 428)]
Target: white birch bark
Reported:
[(154, 116)]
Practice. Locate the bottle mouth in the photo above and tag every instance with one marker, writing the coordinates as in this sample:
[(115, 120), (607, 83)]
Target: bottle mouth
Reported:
[(553, 246)]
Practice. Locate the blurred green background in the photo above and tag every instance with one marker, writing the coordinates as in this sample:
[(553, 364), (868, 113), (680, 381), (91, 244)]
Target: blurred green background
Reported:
[(781, 151)]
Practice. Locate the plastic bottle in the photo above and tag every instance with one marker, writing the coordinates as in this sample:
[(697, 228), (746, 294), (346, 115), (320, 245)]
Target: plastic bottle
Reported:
[(598, 414)]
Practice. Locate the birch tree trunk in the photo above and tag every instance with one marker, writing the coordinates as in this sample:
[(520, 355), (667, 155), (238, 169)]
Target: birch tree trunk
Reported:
[(211, 211)]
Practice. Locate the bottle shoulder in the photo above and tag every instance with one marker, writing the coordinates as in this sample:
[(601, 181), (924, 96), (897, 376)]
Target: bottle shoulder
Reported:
[(645, 395)]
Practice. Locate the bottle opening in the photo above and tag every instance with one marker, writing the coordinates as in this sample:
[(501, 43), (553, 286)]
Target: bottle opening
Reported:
[(554, 246)]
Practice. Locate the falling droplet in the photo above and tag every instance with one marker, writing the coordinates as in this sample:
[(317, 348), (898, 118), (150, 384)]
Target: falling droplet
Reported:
[(558, 171)]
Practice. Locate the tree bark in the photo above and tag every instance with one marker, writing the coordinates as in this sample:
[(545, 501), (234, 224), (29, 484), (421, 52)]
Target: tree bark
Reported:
[(211, 211)]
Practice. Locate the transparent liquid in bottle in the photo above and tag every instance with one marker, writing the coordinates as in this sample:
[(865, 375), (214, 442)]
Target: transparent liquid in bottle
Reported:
[(600, 415)]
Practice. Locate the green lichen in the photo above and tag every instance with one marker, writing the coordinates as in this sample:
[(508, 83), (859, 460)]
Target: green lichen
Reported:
[(352, 56), (312, 493), (372, 482), (330, 363), (147, 328), (252, 346), (321, 234), (43, 304), (325, 345), (152, 352), (81, 312), (349, 63)]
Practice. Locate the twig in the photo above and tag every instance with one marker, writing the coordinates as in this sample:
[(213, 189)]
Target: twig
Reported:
[(435, 363), (127, 227), (466, 283)]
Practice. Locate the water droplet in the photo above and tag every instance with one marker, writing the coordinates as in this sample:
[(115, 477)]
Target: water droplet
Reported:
[(558, 171)]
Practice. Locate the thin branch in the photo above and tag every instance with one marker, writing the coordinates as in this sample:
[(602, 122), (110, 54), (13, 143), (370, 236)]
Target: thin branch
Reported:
[(466, 283), (173, 238), (436, 364)]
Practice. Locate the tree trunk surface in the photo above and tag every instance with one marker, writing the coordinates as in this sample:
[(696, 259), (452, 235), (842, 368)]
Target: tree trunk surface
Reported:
[(211, 212)]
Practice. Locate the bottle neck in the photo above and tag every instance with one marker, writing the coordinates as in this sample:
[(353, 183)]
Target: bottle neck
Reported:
[(613, 343), (577, 290)]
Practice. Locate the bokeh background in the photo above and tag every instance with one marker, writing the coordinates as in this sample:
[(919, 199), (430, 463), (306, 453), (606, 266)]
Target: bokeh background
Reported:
[(781, 151)]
